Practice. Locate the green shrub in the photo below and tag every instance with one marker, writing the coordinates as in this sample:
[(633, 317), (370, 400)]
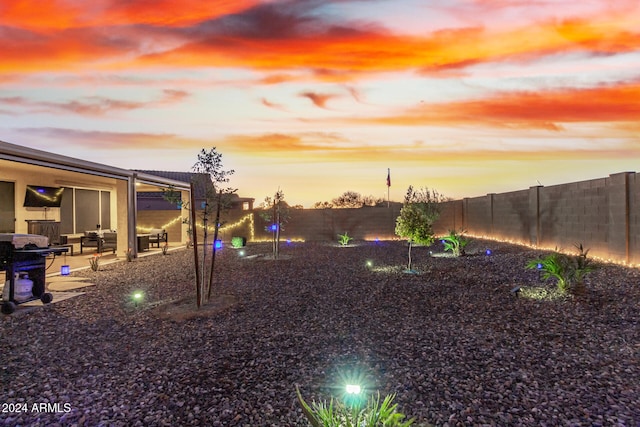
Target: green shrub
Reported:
[(344, 239), (568, 270), (455, 243), (337, 414), (238, 242)]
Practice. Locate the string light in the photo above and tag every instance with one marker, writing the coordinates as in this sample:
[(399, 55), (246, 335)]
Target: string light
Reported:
[(164, 226), (546, 248)]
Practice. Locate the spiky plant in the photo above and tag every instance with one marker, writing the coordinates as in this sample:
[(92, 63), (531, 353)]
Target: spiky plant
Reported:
[(337, 414), (455, 242)]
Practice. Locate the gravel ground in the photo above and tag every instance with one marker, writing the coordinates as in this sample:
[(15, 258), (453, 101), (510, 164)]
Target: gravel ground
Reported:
[(453, 343)]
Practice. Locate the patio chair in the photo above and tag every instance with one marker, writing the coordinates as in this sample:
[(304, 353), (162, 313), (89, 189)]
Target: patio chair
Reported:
[(107, 242)]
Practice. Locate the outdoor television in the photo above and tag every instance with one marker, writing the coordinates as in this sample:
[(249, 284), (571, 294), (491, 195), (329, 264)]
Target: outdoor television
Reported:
[(38, 196)]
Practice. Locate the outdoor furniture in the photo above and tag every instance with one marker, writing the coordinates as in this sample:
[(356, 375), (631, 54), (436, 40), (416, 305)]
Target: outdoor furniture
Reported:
[(143, 242), (157, 235), (107, 242)]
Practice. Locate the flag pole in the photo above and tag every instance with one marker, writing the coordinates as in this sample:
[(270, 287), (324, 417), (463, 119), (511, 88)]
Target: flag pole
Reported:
[(388, 184)]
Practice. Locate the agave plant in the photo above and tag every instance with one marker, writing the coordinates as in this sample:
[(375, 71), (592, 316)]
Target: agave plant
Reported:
[(337, 414), (344, 239), (455, 243)]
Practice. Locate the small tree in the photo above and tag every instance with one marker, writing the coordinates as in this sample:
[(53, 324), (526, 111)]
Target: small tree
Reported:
[(276, 214), (217, 200), (415, 223)]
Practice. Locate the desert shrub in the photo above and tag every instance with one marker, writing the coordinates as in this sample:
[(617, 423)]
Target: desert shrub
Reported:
[(344, 239), (568, 270), (238, 242), (455, 242), (337, 414)]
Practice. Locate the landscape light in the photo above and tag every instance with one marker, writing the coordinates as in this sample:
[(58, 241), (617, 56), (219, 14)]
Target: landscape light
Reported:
[(539, 267), (288, 241), (218, 244), (241, 253), (353, 389), (137, 297), (274, 227), (369, 263), (65, 270), (488, 252)]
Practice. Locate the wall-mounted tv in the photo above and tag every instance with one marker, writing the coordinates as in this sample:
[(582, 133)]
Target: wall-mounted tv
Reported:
[(38, 196)]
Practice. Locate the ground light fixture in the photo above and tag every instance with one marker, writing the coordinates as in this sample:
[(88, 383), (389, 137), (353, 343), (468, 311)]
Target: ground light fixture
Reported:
[(539, 268), (241, 253), (65, 270), (274, 227), (488, 252), (353, 388), (369, 263), (353, 396), (137, 297), (218, 244)]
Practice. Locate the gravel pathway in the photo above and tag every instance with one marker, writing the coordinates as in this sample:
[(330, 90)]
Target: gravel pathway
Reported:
[(453, 343)]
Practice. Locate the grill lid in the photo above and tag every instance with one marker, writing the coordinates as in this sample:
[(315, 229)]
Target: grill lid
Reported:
[(19, 241)]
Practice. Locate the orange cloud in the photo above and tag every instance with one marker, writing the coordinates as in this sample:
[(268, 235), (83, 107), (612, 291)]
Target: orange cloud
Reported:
[(277, 36), (314, 147), (35, 14), (306, 147), (542, 110), (318, 99), (94, 105), (116, 140), (269, 104)]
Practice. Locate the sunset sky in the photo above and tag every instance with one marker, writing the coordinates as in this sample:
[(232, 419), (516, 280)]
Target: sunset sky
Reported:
[(319, 97)]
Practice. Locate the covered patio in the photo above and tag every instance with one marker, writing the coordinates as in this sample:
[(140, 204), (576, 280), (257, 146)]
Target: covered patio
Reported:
[(95, 197)]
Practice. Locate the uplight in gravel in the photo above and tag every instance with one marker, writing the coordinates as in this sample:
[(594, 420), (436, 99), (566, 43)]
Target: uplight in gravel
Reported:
[(369, 263), (137, 297), (353, 389)]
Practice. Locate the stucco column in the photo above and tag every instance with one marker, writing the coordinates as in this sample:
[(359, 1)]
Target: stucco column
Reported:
[(122, 221)]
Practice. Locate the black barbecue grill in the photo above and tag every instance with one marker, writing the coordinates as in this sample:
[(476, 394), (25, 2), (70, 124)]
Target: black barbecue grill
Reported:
[(25, 253)]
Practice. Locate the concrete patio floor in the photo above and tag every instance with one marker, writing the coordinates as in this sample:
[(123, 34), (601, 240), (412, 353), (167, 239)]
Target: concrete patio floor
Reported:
[(81, 261)]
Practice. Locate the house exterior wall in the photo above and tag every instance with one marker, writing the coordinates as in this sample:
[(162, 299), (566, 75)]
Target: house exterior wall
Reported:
[(38, 175)]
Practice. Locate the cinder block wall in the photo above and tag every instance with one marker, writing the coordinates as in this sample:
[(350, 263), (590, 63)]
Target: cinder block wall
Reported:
[(325, 224), (602, 214), (634, 218)]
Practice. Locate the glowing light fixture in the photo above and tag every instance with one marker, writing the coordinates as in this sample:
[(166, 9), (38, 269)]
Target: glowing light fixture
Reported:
[(353, 389), (241, 253), (274, 227), (218, 244), (488, 252), (369, 263), (137, 297), (65, 270)]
